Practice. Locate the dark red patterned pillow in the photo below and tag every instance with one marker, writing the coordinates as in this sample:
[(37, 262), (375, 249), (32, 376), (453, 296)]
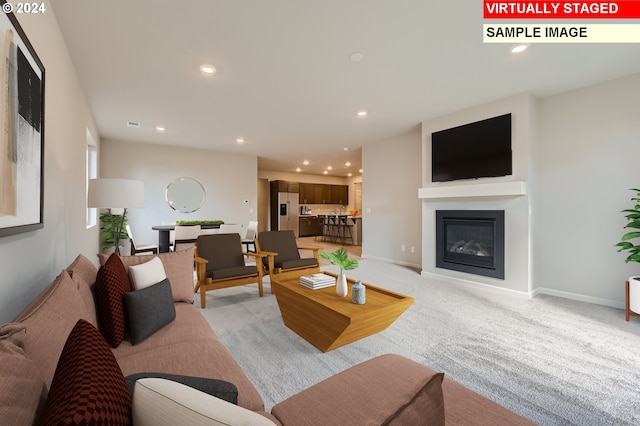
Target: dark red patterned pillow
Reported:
[(88, 387), (112, 282)]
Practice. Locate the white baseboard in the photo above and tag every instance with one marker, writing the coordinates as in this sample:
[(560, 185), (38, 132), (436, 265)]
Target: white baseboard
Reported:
[(579, 297), (479, 286), (396, 262)]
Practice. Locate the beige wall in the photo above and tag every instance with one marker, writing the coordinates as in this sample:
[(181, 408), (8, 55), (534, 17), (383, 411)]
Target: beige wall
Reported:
[(391, 209), (585, 161), (230, 182), (29, 261)]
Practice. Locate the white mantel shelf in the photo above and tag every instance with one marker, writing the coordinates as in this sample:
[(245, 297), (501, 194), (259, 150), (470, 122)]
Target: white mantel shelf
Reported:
[(499, 189)]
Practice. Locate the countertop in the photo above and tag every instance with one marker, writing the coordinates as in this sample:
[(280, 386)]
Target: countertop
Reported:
[(329, 214)]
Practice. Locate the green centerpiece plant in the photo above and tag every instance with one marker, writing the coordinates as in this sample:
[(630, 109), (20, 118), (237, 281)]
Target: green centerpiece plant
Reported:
[(199, 222), (341, 258)]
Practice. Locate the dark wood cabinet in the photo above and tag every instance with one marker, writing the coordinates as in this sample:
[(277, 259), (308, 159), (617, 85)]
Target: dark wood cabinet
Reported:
[(308, 226), (319, 193), (339, 194), (307, 193), (284, 186)]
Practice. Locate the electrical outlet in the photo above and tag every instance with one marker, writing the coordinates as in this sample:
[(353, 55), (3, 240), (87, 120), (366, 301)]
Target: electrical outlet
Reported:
[(413, 249), (368, 210), (404, 248)]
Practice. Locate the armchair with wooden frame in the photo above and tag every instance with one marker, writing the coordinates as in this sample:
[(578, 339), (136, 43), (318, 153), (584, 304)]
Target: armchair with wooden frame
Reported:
[(282, 254), (220, 263)]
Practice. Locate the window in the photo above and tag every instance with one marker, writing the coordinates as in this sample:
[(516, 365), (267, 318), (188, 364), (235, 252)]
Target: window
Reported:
[(92, 173)]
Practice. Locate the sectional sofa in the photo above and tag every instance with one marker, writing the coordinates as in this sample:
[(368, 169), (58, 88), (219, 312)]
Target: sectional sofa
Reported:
[(65, 359)]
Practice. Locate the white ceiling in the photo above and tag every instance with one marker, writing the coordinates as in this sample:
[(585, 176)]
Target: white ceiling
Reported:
[(284, 80)]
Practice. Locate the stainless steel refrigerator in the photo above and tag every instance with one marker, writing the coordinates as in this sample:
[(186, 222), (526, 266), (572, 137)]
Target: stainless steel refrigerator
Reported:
[(288, 211)]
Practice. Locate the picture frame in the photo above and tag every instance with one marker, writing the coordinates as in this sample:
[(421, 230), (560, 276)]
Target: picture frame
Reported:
[(22, 77)]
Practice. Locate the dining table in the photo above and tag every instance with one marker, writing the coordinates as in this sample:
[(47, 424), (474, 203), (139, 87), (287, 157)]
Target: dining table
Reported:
[(164, 232)]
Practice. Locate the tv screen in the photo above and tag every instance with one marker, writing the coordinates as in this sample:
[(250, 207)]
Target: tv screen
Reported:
[(471, 151)]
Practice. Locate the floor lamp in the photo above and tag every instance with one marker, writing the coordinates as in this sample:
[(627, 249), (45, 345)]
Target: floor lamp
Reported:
[(116, 195)]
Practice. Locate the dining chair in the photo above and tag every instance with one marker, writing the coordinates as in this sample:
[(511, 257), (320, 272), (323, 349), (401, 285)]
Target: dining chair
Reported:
[(250, 236), (185, 236), (220, 263), (140, 248), (227, 228)]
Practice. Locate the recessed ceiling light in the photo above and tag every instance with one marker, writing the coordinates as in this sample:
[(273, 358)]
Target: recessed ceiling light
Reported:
[(240, 140), (305, 162), (298, 169), (325, 172), (348, 163), (362, 113), (160, 129), (356, 56), (346, 148), (519, 48), (349, 174), (360, 170), (207, 69), (329, 168)]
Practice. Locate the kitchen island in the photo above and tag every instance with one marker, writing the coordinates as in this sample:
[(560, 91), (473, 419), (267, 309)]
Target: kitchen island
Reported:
[(309, 226)]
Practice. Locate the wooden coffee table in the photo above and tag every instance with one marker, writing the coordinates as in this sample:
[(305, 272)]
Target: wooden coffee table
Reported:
[(328, 321)]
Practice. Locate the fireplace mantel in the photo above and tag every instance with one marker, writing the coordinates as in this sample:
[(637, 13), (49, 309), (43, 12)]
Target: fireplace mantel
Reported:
[(498, 189)]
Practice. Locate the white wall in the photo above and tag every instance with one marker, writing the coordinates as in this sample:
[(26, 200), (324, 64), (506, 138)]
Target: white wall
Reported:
[(517, 226), (228, 180), (29, 261), (391, 209), (585, 161)]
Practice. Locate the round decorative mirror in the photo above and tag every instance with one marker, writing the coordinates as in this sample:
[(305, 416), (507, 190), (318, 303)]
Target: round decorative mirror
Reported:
[(185, 195)]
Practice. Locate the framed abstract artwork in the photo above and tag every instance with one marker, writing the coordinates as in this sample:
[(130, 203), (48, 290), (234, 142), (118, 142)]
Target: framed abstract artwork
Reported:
[(21, 130)]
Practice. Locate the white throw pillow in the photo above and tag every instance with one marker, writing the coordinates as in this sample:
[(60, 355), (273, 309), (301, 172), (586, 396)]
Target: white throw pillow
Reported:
[(147, 274), (158, 402)]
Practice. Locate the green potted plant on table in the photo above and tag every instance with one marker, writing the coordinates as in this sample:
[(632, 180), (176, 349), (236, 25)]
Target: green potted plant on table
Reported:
[(627, 244), (341, 258)]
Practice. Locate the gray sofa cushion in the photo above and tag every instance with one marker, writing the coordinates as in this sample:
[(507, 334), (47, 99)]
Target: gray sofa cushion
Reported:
[(149, 310)]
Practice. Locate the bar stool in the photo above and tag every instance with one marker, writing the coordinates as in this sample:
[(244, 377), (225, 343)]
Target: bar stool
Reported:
[(323, 226), (344, 228), (332, 228)]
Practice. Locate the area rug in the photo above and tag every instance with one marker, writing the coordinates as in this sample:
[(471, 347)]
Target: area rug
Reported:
[(552, 360)]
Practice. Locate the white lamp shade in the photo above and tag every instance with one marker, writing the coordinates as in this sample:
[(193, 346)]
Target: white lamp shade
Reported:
[(116, 193)]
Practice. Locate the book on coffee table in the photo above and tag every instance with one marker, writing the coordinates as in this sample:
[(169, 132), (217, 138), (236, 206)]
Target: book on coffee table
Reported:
[(316, 281)]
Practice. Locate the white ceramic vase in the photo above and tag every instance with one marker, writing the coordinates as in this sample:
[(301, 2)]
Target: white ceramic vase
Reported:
[(341, 285), (634, 294)]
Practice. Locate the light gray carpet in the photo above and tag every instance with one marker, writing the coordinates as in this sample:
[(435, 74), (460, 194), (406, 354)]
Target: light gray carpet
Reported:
[(552, 360)]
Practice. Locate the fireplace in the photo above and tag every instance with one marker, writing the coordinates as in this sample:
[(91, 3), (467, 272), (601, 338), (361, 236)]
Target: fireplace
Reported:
[(471, 241)]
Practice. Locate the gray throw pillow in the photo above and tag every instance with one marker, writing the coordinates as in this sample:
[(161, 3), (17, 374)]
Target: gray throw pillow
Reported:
[(214, 387), (149, 310)]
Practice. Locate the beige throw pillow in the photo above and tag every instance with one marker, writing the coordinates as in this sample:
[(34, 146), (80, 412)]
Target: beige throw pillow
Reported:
[(147, 274), (159, 402)]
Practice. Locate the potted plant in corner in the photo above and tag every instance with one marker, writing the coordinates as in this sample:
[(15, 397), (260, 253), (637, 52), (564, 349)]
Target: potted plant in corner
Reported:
[(109, 223), (633, 224), (341, 258)]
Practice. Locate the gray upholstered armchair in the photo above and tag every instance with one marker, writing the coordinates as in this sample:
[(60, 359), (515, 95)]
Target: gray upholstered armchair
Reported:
[(220, 263), (282, 254)]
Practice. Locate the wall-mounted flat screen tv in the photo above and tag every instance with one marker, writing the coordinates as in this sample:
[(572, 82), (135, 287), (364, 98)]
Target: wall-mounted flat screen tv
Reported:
[(471, 151)]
